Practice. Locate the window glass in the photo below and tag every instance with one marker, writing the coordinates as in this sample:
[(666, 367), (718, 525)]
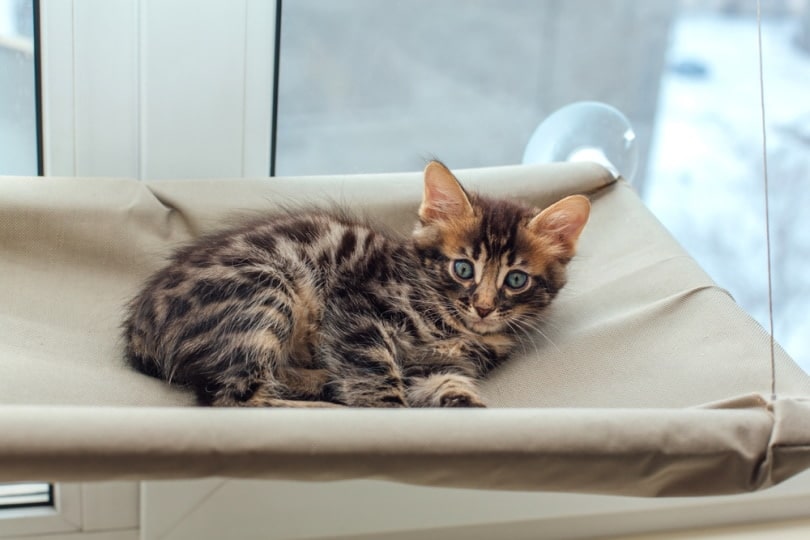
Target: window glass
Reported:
[(369, 86), (18, 118), (18, 495), (705, 180)]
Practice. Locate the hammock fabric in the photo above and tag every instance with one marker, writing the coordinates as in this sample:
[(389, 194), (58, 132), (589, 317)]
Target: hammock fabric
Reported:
[(650, 380)]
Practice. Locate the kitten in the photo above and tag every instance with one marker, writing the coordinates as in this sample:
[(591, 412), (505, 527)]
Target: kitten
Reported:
[(317, 309)]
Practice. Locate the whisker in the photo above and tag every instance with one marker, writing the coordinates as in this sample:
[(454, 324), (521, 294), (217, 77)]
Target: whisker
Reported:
[(536, 328), (523, 337)]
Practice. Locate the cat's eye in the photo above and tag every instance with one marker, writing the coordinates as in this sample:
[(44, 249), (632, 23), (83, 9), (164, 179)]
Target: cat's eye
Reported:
[(463, 269), (516, 279)]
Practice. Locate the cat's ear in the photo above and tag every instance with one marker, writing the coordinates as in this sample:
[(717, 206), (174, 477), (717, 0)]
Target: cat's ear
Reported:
[(563, 221), (443, 198)]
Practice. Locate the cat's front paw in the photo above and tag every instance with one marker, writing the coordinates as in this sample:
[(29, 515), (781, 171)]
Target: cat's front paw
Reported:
[(460, 399), (443, 390)]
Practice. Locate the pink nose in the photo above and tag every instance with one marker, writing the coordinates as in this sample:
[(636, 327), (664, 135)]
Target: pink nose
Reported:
[(484, 311)]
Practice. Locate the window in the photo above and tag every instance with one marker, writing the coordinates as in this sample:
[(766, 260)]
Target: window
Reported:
[(25, 495), (369, 86), (19, 148), (705, 179)]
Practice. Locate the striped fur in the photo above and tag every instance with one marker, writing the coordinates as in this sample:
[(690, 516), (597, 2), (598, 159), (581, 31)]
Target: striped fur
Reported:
[(319, 309)]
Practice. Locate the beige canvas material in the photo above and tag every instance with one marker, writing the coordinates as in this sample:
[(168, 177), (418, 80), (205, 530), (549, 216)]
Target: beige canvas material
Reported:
[(621, 451), (603, 402), (664, 452)]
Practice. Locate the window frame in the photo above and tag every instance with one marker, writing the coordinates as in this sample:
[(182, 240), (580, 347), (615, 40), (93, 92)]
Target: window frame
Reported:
[(99, 110), (77, 508), (64, 516)]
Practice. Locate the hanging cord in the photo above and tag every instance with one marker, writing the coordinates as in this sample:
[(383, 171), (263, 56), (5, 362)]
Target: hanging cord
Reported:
[(767, 205)]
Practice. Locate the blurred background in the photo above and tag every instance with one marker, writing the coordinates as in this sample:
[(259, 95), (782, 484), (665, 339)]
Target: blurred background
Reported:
[(369, 86)]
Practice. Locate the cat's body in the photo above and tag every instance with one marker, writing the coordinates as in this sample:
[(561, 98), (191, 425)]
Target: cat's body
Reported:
[(319, 309)]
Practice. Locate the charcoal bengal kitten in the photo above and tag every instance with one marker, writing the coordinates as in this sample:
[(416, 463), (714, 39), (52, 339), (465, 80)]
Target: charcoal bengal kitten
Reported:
[(319, 310)]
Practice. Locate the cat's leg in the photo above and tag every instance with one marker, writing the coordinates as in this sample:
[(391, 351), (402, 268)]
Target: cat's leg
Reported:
[(265, 390), (252, 385), (443, 390), (360, 355), (269, 398), (256, 352), (254, 368)]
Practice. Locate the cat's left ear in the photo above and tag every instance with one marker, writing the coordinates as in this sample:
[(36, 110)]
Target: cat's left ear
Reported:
[(444, 198), (563, 221)]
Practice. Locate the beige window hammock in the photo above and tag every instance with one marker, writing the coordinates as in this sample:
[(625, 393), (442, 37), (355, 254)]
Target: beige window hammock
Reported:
[(652, 380)]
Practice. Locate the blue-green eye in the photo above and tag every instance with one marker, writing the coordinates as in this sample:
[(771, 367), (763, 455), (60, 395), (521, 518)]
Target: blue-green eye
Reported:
[(516, 279), (463, 269)]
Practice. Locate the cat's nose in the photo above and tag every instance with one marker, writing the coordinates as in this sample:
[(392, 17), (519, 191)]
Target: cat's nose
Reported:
[(483, 311)]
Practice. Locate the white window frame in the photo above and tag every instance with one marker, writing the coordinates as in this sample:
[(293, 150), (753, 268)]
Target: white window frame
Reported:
[(114, 110), (78, 508), (63, 516), (86, 136)]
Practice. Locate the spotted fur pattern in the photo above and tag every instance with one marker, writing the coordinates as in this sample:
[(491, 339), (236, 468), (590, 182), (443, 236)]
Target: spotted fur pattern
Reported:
[(320, 310)]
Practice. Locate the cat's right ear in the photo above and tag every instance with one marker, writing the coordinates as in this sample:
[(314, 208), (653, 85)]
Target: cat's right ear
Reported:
[(563, 221), (443, 199)]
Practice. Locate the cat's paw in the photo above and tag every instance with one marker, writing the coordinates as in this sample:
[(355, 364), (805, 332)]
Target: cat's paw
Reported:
[(460, 399)]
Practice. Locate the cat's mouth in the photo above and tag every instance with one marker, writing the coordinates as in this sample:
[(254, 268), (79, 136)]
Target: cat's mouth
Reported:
[(487, 325), (492, 323)]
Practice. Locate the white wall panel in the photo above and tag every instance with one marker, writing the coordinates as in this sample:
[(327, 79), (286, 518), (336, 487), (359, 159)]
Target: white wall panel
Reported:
[(194, 74), (110, 506), (158, 88), (105, 38)]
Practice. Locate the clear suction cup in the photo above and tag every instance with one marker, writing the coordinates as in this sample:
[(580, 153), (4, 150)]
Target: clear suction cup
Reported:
[(586, 131)]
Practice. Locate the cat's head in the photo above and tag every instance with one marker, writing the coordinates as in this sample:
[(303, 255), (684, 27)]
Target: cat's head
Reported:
[(497, 263)]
